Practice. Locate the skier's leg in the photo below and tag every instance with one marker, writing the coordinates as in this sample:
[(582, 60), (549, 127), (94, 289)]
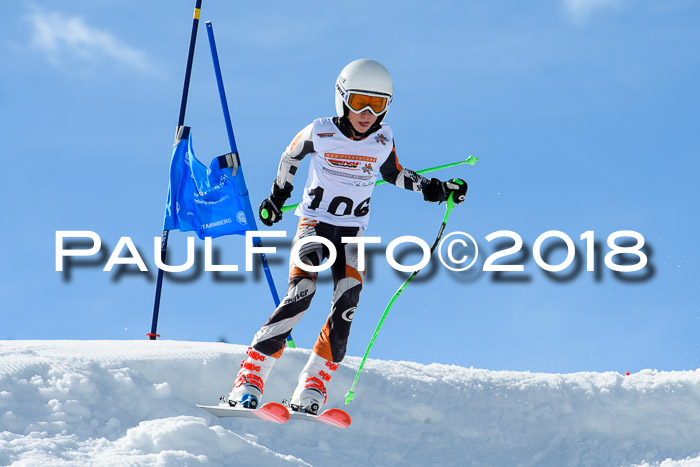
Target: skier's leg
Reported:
[(272, 336), (248, 388), (310, 393), (268, 343), (347, 285)]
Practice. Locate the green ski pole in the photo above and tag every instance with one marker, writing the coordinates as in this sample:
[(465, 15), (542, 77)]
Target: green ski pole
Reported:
[(471, 160), (351, 393)]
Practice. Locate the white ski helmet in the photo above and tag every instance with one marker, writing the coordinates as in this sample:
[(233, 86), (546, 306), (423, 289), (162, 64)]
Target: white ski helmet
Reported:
[(367, 78)]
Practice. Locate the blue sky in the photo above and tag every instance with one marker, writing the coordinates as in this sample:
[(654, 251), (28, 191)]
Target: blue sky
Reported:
[(582, 112)]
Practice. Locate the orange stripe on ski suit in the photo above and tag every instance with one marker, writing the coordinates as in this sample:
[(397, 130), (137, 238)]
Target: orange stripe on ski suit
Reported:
[(322, 347)]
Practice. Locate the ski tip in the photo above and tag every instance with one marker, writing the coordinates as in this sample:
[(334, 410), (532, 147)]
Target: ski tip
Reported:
[(336, 417), (271, 412), (333, 417), (274, 412)]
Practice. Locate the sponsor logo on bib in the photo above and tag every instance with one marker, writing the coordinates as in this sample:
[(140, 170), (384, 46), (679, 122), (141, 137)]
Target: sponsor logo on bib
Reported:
[(350, 161), (380, 138)]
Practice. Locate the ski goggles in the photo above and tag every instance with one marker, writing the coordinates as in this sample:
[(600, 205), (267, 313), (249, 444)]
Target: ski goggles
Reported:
[(359, 102)]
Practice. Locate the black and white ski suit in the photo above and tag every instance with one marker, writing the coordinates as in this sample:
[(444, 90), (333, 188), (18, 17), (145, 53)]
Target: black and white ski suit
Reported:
[(335, 204)]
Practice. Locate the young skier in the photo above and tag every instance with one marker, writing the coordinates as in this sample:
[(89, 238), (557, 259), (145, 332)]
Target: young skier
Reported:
[(347, 154)]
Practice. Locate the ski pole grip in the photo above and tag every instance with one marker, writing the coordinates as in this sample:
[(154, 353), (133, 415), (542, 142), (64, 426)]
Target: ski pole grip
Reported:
[(450, 198), (450, 202)]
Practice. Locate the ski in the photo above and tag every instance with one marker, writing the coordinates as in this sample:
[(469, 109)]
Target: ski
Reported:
[(271, 412), (333, 417)]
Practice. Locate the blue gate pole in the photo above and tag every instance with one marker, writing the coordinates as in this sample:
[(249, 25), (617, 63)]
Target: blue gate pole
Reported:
[(180, 122), (234, 150)]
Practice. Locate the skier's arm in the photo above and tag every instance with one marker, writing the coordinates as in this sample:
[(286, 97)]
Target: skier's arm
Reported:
[(433, 190), (271, 208), (301, 145), (400, 176)]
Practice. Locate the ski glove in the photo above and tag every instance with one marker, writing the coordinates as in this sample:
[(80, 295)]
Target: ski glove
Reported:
[(271, 207), (438, 191)]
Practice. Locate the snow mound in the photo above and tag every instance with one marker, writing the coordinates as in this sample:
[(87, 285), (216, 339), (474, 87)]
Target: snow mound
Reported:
[(133, 402)]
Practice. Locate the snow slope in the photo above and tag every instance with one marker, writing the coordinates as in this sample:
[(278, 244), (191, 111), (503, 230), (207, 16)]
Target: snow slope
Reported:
[(132, 403)]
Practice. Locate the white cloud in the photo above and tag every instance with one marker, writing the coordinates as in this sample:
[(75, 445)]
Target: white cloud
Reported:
[(581, 10), (67, 40)]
